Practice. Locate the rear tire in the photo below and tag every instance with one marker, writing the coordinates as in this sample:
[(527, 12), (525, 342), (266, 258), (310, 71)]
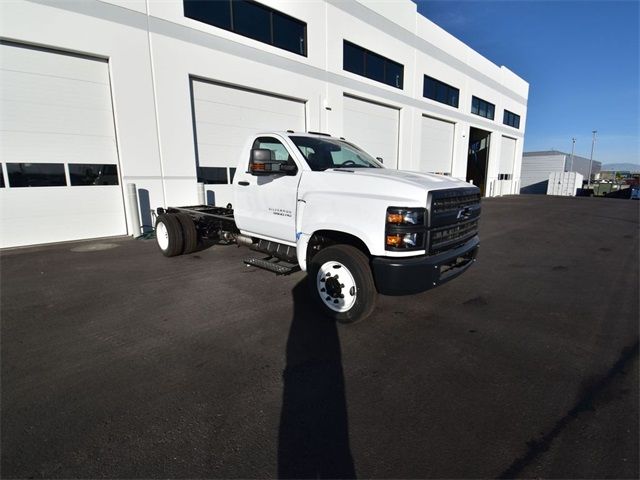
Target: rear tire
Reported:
[(169, 235), (189, 233), (341, 283)]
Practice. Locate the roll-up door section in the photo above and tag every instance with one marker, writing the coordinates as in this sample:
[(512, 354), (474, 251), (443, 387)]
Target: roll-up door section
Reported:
[(436, 155), (372, 127), (58, 148), (225, 117), (505, 170)]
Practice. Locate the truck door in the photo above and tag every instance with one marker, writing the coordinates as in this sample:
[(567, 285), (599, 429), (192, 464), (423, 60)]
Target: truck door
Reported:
[(265, 206)]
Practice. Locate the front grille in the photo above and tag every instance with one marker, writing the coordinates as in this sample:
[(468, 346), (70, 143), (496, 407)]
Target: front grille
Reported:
[(453, 218), (447, 237), (449, 203)]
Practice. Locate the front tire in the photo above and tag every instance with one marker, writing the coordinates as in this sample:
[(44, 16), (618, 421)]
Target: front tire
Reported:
[(169, 235), (341, 283)]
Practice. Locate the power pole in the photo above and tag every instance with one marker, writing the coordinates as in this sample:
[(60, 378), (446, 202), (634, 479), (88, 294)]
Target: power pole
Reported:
[(593, 143), (573, 147)]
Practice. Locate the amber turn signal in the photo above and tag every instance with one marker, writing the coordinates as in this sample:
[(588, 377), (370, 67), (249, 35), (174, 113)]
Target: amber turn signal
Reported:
[(395, 217), (394, 240)]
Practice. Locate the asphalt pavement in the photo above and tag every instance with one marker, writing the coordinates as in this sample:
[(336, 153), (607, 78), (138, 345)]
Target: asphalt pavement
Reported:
[(118, 362)]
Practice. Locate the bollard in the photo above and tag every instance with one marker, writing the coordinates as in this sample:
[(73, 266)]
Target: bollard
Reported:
[(132, 196), (202, 196)]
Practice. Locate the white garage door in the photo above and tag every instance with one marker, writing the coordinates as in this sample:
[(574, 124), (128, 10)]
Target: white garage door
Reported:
[(436, 155), (505, 170), (373, 127), (225, 117), (58, 149)]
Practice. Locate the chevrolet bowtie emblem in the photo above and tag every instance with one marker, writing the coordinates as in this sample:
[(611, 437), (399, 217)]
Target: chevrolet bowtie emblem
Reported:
[(464, 213)]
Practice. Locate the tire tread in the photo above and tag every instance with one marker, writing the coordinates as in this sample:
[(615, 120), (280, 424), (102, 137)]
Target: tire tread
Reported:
[(176, 240)]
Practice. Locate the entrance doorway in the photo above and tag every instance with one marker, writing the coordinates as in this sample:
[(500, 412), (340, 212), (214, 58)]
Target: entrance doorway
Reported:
[(478, 158)]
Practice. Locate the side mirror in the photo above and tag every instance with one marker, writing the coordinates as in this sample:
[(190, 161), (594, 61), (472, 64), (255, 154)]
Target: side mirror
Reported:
[(262, 163), (380, 159)]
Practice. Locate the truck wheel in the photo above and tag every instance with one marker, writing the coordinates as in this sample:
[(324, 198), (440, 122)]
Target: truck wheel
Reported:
[(169, 235), (341, 282), (189, 233)]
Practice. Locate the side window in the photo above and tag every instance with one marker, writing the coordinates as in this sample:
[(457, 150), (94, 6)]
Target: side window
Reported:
[(278, 150)]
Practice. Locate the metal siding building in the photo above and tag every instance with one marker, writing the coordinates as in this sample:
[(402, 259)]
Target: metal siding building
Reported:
[(98, 95), (536, 167)]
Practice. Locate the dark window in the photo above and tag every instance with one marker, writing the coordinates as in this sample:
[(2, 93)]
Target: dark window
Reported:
[(289, 33), (251, 19), (216, 13), (36, 175), (393, 74), (511, 119), (374, 67), (364, 62), (212, 175), (1, 177), (232, 173), (482, 108), (91, 174), (353, 58), (440, 91), (504, 176)]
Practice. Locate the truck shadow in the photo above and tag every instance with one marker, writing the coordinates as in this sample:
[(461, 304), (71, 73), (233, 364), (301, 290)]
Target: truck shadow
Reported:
[(313, 440)]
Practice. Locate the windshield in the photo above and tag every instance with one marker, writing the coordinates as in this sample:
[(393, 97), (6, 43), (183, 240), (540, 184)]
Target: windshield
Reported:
[(324, 153)]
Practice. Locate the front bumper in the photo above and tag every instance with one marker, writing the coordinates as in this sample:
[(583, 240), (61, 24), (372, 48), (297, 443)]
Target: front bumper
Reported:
[(404, 276)]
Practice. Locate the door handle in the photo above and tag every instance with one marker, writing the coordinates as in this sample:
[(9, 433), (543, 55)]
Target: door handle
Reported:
[(243, 183)]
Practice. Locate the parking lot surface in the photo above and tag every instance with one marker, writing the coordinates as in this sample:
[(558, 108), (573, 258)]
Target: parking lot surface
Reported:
[(118, 362)]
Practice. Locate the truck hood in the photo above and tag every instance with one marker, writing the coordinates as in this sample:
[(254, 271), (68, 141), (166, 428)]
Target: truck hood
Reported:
[(415, 179), (386, 186)]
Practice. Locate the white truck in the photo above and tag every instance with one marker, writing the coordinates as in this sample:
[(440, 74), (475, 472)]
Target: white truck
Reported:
[(316, 203)]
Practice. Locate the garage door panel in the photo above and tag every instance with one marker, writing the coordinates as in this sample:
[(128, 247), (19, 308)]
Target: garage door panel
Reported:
[(26, 147), (436, 153), (51, 214), (372, 127), (56, 108), (218, 155), (21, 87), (46, 63), (507, 155), (249, 118), (31, 117), (370, 109), (226, 117)]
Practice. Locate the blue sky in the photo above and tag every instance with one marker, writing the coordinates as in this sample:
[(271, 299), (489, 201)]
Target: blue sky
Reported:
[(581, 59)]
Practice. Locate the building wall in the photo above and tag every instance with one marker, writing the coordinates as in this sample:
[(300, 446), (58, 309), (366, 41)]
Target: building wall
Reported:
[(153, 51), (536, 167)]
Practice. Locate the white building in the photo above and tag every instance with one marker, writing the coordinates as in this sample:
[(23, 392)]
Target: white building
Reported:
[(537, 166), (96, 95)]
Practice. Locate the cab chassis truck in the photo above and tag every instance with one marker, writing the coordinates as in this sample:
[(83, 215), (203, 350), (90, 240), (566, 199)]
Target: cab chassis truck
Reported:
[(312, 202)]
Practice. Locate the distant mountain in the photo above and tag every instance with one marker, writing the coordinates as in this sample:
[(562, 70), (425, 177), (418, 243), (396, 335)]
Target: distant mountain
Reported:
[(621, 167)]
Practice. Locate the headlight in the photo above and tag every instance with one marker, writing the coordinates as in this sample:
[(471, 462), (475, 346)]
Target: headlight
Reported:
[(405, 228), (405, 216)]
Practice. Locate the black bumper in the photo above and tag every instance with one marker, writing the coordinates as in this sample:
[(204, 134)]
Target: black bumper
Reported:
[(403, 276)]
